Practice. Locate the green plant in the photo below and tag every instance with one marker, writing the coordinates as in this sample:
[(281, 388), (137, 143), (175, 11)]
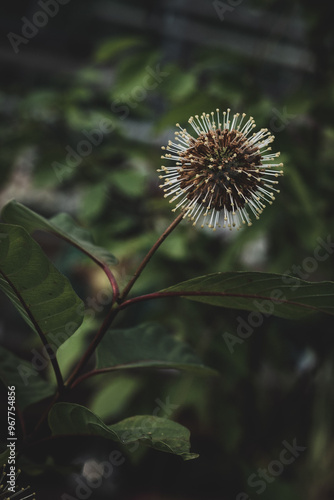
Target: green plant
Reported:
[(210, 185)]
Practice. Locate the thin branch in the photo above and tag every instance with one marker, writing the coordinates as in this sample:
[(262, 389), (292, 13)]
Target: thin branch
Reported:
[(149, 256), (111, 369), (114, 310), (100, 263), (93, 345), (112, 281), (185, 293), (87, 375)]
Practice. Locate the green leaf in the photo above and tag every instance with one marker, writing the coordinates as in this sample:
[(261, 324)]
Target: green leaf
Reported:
[(43, 296), (110, 400), (129, 182), (146, 346), (30, 387), (62, 225), (271, 294), (158, 433), (111, 48), (71, 350), (132, 72), (180, 84)]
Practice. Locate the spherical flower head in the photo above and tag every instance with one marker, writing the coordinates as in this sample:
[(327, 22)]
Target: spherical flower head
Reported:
[(222, 172)]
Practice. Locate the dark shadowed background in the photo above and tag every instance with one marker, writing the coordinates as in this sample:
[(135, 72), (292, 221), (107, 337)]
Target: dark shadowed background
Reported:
[(90, 90)]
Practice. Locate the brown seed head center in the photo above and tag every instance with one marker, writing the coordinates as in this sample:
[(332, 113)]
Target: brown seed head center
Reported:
[(223, 169)]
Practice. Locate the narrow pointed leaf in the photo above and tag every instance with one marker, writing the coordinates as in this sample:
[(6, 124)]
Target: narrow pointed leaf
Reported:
[(146, 346), (158, 433), (43, 296), (272, 294), (30, 387), (62, 225)]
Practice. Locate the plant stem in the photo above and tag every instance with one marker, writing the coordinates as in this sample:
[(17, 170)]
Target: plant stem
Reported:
[(148, 257), (112, 282), (89, 374), (100, 263), (56, 368), (93, 345), (115, 309)]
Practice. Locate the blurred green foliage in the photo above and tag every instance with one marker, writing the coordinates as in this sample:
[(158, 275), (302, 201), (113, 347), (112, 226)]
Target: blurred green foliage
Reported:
[(271, 60)]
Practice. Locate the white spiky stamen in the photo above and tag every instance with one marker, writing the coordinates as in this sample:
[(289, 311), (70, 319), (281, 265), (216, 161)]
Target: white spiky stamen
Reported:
[(217, 180)]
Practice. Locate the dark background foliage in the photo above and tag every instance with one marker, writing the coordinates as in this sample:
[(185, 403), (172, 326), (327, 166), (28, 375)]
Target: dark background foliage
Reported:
[(91, 62)]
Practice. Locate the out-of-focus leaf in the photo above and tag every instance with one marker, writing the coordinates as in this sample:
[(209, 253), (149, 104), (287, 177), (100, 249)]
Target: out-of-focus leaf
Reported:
[(130, 182), (135, 74), (180, 84), (30, 387), (302, 192), (110, 400), (155, 432), (113, 47), (93, 200)]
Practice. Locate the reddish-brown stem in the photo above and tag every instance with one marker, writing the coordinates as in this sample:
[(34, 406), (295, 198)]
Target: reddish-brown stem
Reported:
[(114, 310), (87, 375), (101, 371), (148, 257), (100, 263), (112, 282), (93, 345), (186, 293)]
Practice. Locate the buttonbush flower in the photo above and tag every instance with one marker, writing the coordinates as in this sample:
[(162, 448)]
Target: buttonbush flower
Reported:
[(222, 172)]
